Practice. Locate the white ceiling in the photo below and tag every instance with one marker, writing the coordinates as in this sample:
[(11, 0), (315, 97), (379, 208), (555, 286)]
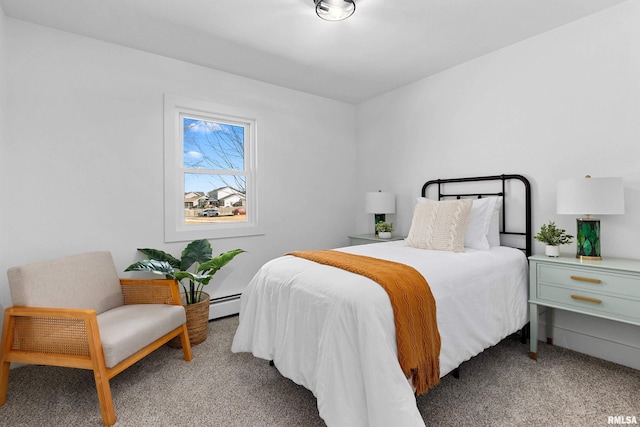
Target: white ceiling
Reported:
[(386, 44)]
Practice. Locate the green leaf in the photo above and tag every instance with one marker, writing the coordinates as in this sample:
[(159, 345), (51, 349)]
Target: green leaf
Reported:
[(153, 266), (197, 251), (159, 255), (220, 261), (587, 247), (193, 277), (206, 278)]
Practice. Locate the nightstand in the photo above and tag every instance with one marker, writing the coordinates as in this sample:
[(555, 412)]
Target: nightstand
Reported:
[(609, 288), (365, 239)]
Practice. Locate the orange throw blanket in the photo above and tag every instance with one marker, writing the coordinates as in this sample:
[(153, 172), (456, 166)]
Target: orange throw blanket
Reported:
[(414, 310)]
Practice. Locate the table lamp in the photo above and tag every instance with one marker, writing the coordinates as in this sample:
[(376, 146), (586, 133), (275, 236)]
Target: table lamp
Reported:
[(379, 203), (590, 196)]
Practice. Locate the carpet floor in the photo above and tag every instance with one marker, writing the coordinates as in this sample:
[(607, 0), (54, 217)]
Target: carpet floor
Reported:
[(499, 387)]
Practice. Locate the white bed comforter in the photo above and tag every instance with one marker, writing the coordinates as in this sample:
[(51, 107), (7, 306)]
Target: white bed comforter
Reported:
[(333, 331)]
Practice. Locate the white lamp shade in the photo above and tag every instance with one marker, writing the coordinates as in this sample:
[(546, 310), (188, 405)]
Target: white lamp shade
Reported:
[(590, 196), (380, 202)]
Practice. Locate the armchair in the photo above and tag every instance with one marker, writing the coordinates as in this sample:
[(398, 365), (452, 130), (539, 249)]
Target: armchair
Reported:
[(75, 312)]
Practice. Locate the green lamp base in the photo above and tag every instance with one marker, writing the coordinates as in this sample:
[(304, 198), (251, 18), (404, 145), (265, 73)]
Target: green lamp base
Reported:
[(588, 245)]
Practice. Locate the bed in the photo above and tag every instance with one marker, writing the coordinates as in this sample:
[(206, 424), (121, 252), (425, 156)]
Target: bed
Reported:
[(332, 331)]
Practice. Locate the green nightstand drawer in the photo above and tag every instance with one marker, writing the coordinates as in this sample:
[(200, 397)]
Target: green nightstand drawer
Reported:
[(589, 279), (591, 302)]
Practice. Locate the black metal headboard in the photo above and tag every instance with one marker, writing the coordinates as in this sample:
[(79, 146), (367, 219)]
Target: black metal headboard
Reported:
[(505, 181)]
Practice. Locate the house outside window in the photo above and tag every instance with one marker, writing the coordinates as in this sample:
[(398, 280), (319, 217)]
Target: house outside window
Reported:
[(210, 188)]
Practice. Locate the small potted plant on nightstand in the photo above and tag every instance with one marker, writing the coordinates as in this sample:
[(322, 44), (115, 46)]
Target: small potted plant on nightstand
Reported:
[(384, 229), (553, 237)]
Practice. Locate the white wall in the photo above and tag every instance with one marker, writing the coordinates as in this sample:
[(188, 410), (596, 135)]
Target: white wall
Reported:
[(84, 144), (4, 293), (560, 105)]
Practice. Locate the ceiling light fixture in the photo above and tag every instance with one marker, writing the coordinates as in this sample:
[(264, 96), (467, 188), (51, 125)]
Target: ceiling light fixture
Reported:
[(334, 10)]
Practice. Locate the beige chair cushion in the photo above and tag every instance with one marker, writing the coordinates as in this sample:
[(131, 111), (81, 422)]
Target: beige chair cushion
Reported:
[(86, 281), (125, 330)]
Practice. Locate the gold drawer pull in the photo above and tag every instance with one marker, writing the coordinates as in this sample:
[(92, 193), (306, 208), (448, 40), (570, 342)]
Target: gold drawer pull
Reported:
[(593, 300), (586, 279)]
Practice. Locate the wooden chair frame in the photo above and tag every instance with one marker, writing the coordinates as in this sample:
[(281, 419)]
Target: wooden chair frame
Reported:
[(71, 338)]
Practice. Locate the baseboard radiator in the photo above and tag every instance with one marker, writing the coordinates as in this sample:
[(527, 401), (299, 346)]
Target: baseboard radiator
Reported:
[(224, 306)]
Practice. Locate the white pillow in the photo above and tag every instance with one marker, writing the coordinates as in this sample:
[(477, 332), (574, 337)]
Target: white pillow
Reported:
[(482, 212), (439, 225), (493, 236)]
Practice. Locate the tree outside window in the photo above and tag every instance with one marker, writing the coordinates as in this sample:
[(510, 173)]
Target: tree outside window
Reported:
[(214, 169), (209, 171)]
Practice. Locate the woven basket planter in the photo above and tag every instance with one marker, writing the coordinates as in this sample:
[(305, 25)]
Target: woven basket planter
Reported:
[(197, 322)]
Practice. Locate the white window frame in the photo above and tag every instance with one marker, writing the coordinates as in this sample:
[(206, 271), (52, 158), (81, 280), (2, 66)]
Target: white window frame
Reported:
[(175, 229)]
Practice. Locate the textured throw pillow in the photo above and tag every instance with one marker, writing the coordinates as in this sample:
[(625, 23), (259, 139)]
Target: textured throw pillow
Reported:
[(439, 225), (482, 212)]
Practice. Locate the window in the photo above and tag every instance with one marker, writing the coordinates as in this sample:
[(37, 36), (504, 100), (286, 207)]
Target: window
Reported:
[(210, 188)]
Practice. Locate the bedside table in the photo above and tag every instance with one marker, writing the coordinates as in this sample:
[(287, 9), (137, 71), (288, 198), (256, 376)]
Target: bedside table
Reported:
[(609, 288), (365, 239)]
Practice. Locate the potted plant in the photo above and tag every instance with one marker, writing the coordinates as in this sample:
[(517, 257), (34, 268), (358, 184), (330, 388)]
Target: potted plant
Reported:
[(193, 271), (384, 229), (553, 237)]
